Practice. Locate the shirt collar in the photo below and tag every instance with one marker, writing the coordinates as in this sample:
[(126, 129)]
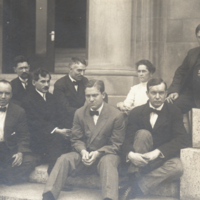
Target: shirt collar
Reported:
[(23, 80), (41, 93), (159, 108), (4, 106), (73, 80), (99, 109)]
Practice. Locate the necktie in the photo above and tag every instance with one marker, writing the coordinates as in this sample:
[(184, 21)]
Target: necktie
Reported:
[(95, 112), (154, 110), (2, 109), (25, 83), (75, 83)]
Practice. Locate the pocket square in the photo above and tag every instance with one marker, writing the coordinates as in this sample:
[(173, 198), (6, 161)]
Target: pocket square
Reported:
[(13, 133)]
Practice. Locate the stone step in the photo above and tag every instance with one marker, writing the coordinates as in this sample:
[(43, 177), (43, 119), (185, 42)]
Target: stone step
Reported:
[(33, 191), (39, 175)]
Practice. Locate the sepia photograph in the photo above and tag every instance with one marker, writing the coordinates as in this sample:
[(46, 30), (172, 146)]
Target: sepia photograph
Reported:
[(99, 99)]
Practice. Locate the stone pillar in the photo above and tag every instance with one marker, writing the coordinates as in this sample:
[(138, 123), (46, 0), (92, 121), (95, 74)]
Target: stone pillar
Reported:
[(109, 34)]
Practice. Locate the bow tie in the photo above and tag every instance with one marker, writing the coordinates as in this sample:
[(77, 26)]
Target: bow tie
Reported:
[(2, 109), (155, 111), (75, 83), (95, 112)]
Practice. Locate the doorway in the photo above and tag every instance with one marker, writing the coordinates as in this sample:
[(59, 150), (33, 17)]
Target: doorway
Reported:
[(70, 32)]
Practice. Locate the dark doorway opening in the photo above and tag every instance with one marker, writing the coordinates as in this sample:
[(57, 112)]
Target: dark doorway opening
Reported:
[(70, 32)]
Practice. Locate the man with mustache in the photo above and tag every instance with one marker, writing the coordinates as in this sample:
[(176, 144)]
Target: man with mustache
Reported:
[(70, 89), (49, 137), (22, 84)]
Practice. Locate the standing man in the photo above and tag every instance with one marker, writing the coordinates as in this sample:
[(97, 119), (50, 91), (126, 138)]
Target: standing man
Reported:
[(23, 83), (97, 135), (184, 91), (70, 89), (49, 137), (155, 135), (16, 160)]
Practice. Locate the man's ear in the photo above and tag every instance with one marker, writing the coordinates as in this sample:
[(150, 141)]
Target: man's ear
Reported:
[(147, 93), (33, 82), (14, 68), (104, 95)]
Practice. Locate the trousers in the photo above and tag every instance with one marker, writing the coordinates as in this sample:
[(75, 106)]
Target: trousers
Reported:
[(71, 163), (12, 175), (157, 171)]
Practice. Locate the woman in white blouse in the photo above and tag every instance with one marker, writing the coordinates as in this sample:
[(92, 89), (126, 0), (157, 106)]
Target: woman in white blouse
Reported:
[(137, 95)]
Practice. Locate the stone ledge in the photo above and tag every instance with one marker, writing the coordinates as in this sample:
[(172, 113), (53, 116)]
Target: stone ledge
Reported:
[(39, 175), (190, 181)]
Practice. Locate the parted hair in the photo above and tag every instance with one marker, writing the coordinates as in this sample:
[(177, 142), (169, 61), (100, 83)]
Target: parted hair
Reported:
[(155, 81), (20, 59), (99, 84), (5, 82), (40, 71), (148, 64), (76, 60)]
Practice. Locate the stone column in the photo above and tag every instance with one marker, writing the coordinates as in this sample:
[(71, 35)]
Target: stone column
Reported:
[(109, 35)]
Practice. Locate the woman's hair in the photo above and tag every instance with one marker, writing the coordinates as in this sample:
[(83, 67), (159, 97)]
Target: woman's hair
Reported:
[(148, 64)]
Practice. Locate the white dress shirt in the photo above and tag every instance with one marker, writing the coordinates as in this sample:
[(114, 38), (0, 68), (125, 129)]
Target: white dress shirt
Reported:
[(2, 124), (24, 82), (96, 117), (73, 80), (137, 96), (43, 95), (154, 116)]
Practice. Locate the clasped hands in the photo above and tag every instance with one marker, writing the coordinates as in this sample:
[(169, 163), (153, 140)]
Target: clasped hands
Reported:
[(89, 158), (141, 160)]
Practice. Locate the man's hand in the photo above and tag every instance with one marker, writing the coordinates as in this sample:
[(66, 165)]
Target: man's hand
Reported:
[(65, 133), (121, 106), (137, 159), (85, 156), (172, 97), (93, 155), (18, 159), (151, 155)]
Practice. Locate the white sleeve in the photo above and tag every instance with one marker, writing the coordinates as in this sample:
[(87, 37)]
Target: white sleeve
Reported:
[(130, 99)]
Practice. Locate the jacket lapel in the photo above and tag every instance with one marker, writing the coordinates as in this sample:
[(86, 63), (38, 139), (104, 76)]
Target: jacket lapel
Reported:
[(70, 85), (20, 85), (100, 122), (146, 117), (8, 119)]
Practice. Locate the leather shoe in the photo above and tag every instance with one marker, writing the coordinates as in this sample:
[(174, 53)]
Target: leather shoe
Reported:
[(48, 196)]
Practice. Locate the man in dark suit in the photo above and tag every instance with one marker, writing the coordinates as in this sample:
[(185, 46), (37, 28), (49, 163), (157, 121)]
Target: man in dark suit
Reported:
[(70, 89), (16, 160), (185, 88), (155, 135), (97, 136), (23, 83), (49, 137)]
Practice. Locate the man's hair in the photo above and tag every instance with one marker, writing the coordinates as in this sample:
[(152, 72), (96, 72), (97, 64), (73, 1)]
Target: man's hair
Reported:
[(76, 60), (148, 64), (5, 82), (197, 29), (20, 59), (99, 84), (155, 81), (40, 71)]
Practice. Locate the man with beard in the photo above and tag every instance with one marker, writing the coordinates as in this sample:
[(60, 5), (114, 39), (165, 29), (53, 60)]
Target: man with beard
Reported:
[(22, 84), (49, 137)]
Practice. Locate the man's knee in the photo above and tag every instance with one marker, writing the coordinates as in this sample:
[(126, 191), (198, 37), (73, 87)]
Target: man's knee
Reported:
[(109, 160), (68, 158)]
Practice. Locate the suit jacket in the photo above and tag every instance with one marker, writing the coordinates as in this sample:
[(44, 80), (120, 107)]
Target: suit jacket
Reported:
[(184, 72), (169, 134), (16, 133), (69, 99), (42, 116), (18, 90), (106, 136)]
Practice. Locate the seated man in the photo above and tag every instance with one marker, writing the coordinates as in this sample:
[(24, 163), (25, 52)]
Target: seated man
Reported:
[(97, 136), (16, 159), (23, 83), (49, 137), (70, 89), (155, 135)]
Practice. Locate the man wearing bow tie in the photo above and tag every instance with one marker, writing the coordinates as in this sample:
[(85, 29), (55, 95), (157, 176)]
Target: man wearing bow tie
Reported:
[(70, 89), (97, 135), (16, 160), (155, 135), (23, 83), (49, 136)]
